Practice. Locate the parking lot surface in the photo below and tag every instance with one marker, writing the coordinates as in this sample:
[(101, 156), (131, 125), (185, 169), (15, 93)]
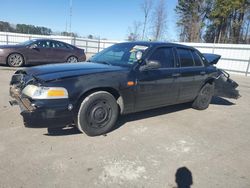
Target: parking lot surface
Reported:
[(146, 150)]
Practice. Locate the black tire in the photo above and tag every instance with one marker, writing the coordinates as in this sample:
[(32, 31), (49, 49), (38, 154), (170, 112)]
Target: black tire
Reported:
[(15, 60), (97, 114), (204, 97)]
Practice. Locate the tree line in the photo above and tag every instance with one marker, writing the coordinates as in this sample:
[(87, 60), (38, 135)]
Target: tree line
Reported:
[(24, 28), (31, 29), (214, 21), (211, 21)]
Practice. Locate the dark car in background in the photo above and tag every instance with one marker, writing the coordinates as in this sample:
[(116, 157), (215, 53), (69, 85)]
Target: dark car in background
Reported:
[(40, 51), (124, 78)]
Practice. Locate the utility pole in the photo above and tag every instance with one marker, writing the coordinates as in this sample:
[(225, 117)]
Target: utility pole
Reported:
[(70, 15), (66, 26)]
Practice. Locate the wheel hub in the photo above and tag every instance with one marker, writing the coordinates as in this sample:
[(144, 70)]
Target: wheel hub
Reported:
[(99, 114), (15, 60), (205, 95)]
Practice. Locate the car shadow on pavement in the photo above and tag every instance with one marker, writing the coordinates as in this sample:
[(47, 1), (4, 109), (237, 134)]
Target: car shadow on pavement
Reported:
[(183, 178), (58, 131), (221, 101), (149, 113)]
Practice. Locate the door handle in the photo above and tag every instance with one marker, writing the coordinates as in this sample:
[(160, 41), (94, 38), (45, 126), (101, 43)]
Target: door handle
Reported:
[(176, 74), (202, 72)]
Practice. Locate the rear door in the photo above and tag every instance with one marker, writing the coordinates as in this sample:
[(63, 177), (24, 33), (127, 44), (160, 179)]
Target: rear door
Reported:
[(192, 74), (158, 87), (60, 51), (200, 71)]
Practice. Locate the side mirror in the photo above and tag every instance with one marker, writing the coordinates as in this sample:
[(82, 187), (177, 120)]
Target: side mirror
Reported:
[(138, 55), (150, 65)]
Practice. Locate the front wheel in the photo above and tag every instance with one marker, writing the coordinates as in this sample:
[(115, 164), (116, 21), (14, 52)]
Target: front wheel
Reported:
[(204, 97), (15, 60), (97, 114)]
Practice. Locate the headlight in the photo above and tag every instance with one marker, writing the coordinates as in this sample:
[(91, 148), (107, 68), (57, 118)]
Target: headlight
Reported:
[(38, 92)]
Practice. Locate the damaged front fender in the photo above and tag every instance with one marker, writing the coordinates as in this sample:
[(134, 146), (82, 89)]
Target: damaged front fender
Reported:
[(225, 86)]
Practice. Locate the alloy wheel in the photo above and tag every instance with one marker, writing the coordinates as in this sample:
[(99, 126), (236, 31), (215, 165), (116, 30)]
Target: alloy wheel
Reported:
[(15, 60), (72, 59)]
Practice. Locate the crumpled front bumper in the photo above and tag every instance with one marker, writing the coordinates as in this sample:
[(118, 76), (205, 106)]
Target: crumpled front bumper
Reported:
[(42, 113)]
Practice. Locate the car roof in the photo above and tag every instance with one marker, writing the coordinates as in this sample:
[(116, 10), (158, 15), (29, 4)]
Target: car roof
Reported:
[(41, 39), (158, 44), (47, 40)]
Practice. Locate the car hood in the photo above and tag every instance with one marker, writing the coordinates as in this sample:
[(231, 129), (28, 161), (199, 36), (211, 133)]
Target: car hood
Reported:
[(64, 70), (11, 46)]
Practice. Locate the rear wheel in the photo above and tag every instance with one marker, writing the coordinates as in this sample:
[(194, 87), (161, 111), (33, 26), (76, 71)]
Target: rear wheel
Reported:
[(204, 97), (15, 60), (97, 114), (72, 59)]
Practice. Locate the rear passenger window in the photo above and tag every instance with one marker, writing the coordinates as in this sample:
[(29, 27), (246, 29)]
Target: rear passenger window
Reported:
[(185, 57), (165, 56), (58, 45), (197, 59)]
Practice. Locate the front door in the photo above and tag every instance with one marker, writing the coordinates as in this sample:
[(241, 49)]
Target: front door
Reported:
[(158, 87), (39, 52)]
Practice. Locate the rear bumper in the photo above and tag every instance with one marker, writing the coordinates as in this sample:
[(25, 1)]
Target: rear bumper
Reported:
[(43, 113), (82, 59)]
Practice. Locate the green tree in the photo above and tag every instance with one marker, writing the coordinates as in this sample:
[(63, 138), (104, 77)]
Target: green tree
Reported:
[(192, 15), (227, 20), (6, 27), (31, 29), (70, 34)]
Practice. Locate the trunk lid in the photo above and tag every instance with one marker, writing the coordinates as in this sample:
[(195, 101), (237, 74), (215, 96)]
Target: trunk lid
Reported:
[(211, 58)]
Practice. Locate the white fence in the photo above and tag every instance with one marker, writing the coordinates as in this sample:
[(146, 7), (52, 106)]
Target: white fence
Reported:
[(235, 57)]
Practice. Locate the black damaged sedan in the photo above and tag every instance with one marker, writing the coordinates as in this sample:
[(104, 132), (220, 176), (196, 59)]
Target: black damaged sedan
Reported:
[(124, 78)]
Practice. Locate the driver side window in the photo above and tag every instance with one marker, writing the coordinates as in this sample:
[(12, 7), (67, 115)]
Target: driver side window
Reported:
[(42, 44), (164, 56)]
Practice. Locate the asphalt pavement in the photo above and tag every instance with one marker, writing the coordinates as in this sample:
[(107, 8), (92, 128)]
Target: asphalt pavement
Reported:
[(158, 148)]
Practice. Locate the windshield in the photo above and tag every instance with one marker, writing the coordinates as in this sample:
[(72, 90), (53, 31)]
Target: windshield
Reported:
[(27, 42), (123, 54)]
